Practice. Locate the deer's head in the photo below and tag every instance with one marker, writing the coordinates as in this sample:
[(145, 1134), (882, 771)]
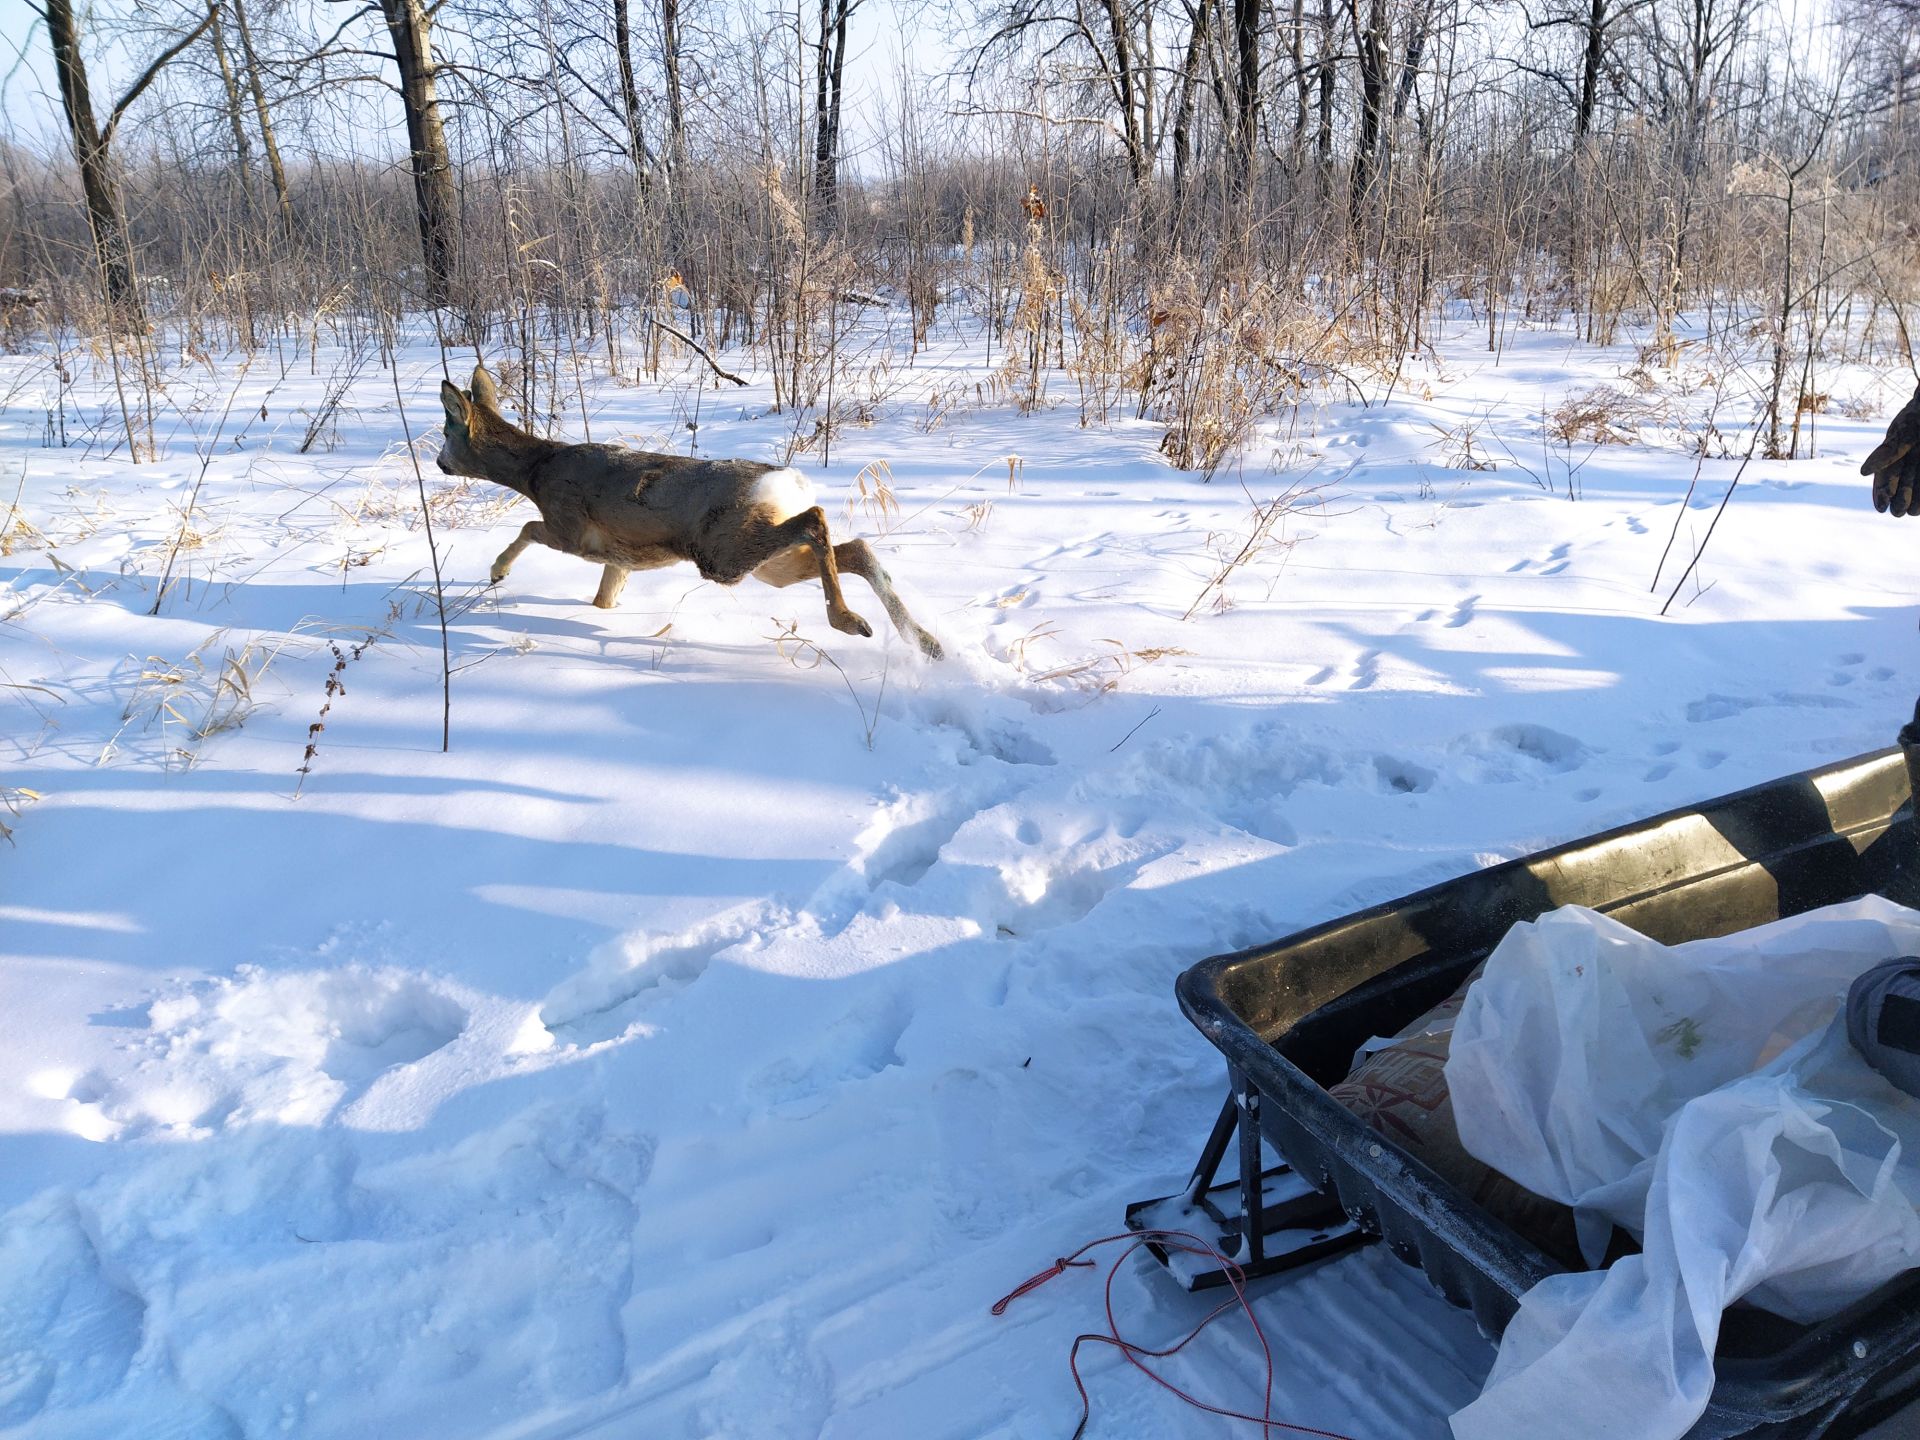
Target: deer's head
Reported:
[(470, 415)]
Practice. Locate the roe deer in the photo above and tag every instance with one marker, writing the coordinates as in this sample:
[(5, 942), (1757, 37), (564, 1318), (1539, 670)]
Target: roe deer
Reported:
[(636, 510)]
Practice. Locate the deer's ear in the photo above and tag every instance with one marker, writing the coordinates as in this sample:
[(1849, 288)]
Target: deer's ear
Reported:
[(482, 388), (459, 409)]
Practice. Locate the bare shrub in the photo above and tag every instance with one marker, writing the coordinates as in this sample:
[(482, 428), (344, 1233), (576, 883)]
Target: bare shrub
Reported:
[(1608, 415)]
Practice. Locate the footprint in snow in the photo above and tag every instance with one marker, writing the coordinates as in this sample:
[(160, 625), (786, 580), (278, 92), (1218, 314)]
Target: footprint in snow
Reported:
[(1402, 777), (292, 1047), (1521, 752), (1366, 670), (1045, 896), (621, 978), (1722, 707), (858, 1046)]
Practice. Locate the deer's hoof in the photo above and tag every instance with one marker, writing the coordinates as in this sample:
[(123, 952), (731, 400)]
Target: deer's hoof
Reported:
[(848, 623), (930, 647)]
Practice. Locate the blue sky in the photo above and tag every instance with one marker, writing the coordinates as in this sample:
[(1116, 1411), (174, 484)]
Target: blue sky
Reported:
[(882, 32)]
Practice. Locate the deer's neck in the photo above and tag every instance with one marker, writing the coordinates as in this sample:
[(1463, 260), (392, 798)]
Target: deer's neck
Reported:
[(515, 459)]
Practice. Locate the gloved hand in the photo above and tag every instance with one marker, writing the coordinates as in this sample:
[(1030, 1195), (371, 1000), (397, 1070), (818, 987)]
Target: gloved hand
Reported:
[(1895, 463)]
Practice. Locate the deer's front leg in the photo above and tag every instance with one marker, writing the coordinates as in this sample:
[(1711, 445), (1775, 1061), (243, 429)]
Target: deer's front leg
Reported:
[(612, 580), (531, 533)]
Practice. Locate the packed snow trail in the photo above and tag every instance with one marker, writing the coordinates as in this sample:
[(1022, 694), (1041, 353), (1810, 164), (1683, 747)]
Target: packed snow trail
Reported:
[(703, 1044)]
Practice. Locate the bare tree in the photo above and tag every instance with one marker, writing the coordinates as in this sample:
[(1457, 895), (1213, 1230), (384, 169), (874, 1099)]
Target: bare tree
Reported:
[(630, 96), (1246, 129), (830, 70), (269, 141), (92, 144), (437, 207)]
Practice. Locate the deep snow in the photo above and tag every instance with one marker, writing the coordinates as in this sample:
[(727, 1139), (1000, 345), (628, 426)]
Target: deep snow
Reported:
[(702, 1044)]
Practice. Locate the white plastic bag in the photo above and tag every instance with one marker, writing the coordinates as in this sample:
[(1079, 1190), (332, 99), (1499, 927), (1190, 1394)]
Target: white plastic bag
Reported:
[(1700, 1096)]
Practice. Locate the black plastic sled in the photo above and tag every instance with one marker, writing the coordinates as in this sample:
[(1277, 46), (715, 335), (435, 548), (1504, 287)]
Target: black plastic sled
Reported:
[(1288, 1017)]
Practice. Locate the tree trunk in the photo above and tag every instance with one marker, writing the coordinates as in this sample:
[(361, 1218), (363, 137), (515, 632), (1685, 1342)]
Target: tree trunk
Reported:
[(630, 94), (1370, 42), (242, 148), (1127, 86), (434, 199), (1590, 69), (1323, 137), (830, 76), (1246, 37), (670, 63), (267, 140), (1410, 66), (111, 249), (1302, 88), (1189, 89)]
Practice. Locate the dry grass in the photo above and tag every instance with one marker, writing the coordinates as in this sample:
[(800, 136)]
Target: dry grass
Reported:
[(336, 687), (1089, 675), (1460, 446), (15, 798), (940, 404), (1022, 376), (191, 700), (1609, 415), (1097, 674), (873, 496), (1265, 535), (805, 654), (323, 424), (1225, 357), (189, 537), (21, 534)]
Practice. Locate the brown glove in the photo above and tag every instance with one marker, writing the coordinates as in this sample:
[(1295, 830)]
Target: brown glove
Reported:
[(1895, 463)]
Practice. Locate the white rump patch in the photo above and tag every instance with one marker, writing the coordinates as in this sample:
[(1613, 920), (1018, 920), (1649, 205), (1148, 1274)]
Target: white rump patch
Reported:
[(787, 491)]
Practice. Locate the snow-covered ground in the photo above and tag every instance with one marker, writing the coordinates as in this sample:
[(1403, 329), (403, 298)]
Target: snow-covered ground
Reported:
[(702, 1044)]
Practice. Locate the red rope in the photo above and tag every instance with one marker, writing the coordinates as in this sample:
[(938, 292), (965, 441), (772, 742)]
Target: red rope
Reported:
[(1035, 1282), (1137, 1354)]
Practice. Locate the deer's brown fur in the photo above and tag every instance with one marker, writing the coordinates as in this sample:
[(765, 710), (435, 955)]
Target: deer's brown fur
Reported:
[(637, 510)]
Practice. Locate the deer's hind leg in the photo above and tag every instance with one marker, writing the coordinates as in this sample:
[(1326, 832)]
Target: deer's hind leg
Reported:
[(800, 549), (531, 533), (856, 557)]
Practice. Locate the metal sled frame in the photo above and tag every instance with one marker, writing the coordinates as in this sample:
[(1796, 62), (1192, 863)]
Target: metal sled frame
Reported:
[(1265, 1221)]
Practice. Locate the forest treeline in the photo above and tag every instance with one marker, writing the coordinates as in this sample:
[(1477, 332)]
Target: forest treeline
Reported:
[(1231, 198)]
